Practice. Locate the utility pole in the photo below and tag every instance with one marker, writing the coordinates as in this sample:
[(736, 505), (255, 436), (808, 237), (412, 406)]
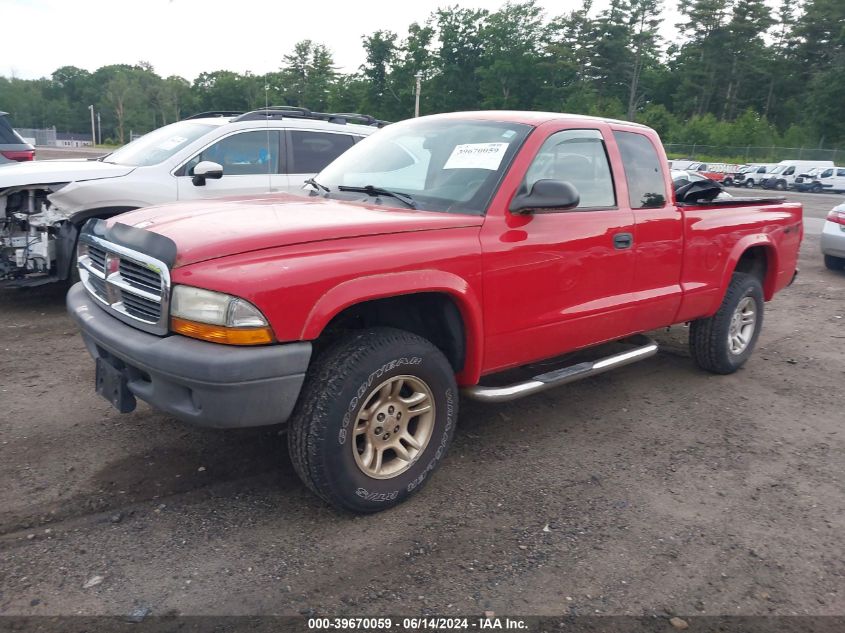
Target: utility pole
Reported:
[(419, 85), (99, 130), (93, 131)]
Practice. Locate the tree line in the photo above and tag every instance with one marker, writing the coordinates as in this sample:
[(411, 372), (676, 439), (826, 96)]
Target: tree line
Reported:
[(739, 72)]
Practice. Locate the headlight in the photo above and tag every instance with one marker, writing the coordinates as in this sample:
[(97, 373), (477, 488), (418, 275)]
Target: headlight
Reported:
[(217, 317)]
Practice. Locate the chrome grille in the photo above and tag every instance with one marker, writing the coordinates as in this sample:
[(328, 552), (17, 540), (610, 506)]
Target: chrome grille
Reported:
[(140, 276), (98, 286), (141, 308), (98, 258), (133, 286)]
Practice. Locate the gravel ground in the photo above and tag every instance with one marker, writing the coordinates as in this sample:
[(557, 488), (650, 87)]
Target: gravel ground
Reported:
[(656, 489)]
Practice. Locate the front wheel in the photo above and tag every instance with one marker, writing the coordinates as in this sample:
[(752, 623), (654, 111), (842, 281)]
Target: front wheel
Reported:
[(749, 183), (723, 342), (780, 185), (374, 420), (816, 188)]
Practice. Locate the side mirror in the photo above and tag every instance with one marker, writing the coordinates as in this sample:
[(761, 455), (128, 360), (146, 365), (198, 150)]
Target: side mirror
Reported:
[(546, 196), (205, 170)]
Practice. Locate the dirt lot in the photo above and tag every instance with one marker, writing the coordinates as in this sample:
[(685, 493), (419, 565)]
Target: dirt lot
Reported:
[(654, 489)]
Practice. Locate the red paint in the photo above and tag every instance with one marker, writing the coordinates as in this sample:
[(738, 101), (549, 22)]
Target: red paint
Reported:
[(527, 286)]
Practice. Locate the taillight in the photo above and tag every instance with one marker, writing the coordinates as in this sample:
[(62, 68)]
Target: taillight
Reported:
[(836, 216), (19, 155)]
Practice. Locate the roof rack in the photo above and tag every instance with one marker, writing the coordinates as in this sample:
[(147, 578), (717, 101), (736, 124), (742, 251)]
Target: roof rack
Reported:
[(292, 112), (214, 113)]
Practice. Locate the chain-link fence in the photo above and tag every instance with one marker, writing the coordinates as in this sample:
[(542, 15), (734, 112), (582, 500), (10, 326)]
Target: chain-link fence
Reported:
[(750, 153), (46, 137)]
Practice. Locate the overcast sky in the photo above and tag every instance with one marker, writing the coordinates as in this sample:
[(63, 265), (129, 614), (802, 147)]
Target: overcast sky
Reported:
[(187, 37)]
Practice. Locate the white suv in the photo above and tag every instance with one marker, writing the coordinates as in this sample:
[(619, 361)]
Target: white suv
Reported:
[(43, 204)]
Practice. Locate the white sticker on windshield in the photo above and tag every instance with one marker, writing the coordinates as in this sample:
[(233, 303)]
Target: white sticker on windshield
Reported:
[(477, 156), (172, 142)]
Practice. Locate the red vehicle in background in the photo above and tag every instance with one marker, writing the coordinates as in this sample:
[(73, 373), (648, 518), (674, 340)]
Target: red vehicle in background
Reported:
[(719, 172), (433, 256)]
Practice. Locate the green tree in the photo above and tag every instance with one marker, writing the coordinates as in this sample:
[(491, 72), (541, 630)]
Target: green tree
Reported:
[(513, 39)]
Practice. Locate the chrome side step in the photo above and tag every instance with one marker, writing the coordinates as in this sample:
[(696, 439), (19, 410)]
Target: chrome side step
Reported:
[(646, 347)]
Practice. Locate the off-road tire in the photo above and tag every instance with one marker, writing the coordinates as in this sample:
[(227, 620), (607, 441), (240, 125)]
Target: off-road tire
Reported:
[(338, 383), (709, 337), (832, 262)]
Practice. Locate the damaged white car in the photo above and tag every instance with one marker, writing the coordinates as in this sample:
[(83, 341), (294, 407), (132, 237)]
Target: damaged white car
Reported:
[(43, 204)]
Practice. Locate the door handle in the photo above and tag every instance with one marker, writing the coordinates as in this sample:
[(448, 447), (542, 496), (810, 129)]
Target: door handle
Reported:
[(623, 241)]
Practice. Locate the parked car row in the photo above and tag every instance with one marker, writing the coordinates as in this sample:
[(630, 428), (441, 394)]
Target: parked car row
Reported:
[(802, 175)]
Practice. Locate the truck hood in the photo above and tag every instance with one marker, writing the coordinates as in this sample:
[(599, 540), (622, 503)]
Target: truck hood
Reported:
[(209, 229), (53, 171)]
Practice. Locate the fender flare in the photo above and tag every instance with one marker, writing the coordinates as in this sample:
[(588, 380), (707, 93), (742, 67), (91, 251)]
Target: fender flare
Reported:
[(750, 241), (363, 289)]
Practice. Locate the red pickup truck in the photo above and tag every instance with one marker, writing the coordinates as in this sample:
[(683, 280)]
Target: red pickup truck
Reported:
[(433, 256)]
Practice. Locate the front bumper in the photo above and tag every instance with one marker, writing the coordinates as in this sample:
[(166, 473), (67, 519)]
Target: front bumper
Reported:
[(833, 239), (201, 383)]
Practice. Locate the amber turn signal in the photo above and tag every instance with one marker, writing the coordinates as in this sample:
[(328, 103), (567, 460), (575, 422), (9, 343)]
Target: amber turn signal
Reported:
[(220, 334)]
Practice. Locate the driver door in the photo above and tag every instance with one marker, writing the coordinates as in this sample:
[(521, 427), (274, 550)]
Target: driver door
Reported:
[(557, 281), (251, 162)]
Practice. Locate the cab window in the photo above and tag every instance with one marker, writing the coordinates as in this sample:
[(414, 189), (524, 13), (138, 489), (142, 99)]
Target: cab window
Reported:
[(578, 157), (243, 154), (643, 172), (312, 151)]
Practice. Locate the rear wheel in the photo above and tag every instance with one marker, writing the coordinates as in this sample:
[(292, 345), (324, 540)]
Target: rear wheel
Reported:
[(723, 342), (374, 420), (834, 263)]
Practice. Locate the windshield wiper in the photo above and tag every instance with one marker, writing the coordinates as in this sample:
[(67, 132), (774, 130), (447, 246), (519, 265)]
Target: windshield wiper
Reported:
[(371, 190), (316, 185)]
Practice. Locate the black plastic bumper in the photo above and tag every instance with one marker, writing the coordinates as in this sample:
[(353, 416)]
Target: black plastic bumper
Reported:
[(201, 383)]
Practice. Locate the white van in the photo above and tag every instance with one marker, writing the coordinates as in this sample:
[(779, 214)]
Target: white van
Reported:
[(784, 174), (831, 179)]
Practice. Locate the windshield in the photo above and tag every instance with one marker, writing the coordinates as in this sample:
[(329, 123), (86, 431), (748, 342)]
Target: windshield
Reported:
[(158, 145), (778, 169), (450, 165)]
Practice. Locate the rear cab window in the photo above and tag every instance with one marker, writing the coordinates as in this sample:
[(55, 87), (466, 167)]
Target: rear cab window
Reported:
[(643, 171)]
